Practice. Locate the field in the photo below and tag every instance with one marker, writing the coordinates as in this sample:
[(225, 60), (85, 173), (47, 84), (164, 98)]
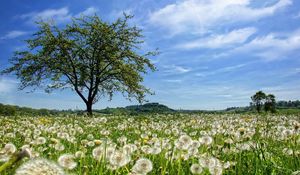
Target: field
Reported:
[(152, 144)]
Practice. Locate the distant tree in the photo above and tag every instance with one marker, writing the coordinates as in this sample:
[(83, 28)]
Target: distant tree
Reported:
[(258, 100), (7, 110), (92, 57), (270, 103)]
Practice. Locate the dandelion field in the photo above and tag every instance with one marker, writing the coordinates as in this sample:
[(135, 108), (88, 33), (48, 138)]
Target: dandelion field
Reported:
[(152, 144)]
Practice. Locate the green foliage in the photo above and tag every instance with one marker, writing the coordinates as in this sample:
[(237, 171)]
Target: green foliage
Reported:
[(7, 110), (258, 100), (261, 100), (92, 57), (251, 144), (288, 104)]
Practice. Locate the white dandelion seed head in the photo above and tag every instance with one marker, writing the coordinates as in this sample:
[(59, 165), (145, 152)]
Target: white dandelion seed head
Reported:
[(216, 170), (98, 152), (39, 167), (142, 166), (67, 161), (206, 140), (40, 140), (186, 140), (9, 148), (59, 147), (119, 159), (79, 154), (196, 169)]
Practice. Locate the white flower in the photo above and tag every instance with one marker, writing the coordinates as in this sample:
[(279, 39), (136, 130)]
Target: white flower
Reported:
[(206, 140), (216, 170), (185, 140), (119, 159), (40, 140), (67, 161), (98, 152), (9, 148), (39, 167), (79, 154), (142, 166), (196, 169)]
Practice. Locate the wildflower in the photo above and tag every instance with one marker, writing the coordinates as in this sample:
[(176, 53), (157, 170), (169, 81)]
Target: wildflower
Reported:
[(119, 159), (206, 140), (98, 152), (40, 140), (142, 166), (216, 170), (226, 165), (146, 149), (97, 142), (39, 167), (67, 161), (186, 140), (196, 169), (9, 148), (59, 147), (79, 154)]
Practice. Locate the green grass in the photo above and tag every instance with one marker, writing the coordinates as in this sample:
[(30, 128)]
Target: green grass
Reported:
[(259, 143)]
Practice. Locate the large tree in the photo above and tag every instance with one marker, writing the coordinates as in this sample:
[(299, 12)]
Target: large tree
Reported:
[(92, 57), (258, 100), (270, 104)]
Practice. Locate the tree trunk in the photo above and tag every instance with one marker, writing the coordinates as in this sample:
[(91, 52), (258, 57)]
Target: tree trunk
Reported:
[(89, 108)]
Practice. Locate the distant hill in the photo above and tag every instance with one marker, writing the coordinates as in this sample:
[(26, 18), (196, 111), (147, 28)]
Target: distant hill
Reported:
[(150, 107), (135, 109), (283, 107)]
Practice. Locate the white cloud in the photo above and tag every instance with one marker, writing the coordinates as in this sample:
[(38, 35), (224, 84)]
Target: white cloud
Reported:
[(232, 38), (89, 11), (7, 85), (173, 81), (272, 46), (200, 16), (13, 34), (221, 70), (60, 15), (173, 69)]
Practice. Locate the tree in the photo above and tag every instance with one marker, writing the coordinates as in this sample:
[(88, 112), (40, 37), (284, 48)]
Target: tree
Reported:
[(258, 100), (92, 57), (270, 104)]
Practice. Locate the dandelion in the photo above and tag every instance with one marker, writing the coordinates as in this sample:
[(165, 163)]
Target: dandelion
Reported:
[(185, 140), (59, 147), (119, 159), (142, 166), (98, 152), (226, 165), (146, 149), (9, 148), (216, 170), (79, 154), (196, 169), (67, 161), (39, 167), (206, 140)]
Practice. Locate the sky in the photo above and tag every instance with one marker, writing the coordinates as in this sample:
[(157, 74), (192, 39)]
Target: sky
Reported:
[(213, 54)]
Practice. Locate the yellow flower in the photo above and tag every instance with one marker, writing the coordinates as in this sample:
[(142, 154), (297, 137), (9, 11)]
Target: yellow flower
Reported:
[(97, 142)]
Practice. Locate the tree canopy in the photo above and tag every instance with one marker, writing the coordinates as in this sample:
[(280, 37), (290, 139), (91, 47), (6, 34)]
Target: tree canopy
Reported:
[(260, 100), (92, 57)]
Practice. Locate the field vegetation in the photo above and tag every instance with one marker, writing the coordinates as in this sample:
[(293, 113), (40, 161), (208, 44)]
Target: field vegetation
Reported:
[(151, 144)]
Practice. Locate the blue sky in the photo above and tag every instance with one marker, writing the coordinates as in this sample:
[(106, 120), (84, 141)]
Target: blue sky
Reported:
[(214, 54)]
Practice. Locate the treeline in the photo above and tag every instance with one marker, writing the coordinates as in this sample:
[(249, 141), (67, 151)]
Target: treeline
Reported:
[(11, 110), (288, 104), (150, 108)]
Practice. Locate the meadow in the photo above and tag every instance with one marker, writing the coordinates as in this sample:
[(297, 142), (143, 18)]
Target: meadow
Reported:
[(152, 144)]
